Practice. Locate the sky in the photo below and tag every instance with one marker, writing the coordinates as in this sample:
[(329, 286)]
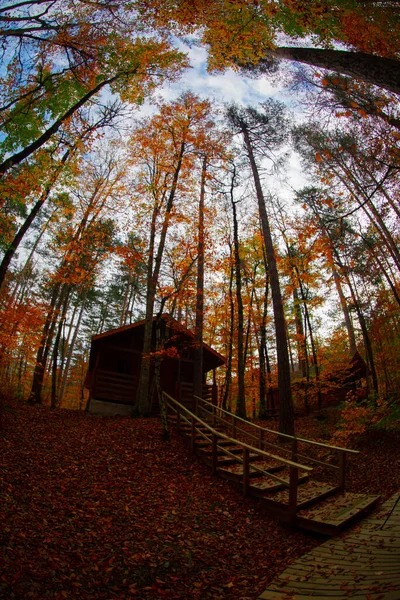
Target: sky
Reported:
[(231, 86)]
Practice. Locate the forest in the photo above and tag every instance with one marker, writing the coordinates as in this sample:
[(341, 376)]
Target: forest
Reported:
[(270, 230)]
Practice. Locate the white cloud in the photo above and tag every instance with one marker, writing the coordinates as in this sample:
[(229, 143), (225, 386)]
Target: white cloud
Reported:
[(225, 87)]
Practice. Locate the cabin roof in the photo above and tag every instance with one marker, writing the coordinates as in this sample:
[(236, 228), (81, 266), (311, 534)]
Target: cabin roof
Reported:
[(173, 324)]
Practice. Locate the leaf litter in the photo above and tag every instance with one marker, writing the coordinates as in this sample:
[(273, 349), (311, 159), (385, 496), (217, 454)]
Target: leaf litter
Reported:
[(102, 508)]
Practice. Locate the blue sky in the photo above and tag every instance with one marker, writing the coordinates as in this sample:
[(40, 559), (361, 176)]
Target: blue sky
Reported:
[(231, 86)]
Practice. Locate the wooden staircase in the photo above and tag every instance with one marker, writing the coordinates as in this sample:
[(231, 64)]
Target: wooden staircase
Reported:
[(290, 480)]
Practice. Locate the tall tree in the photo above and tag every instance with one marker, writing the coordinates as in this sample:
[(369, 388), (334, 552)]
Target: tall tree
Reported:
[(167, 153), (261, 132)]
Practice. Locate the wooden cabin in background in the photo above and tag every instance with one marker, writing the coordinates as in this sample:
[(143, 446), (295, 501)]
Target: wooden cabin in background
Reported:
[(115, 361)]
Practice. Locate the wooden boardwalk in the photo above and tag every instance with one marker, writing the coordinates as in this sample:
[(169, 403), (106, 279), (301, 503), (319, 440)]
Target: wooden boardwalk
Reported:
[(363, 563)]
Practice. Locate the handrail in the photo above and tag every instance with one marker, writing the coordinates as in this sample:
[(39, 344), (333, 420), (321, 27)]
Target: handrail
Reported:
[(246, 449), (235, 456), (222, 435), (291, 437)]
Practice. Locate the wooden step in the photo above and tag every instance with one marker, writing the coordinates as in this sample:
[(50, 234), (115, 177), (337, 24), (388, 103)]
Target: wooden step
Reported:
[(203, 443), (188, 427), (265, 485), (320, 506), (337, 512), (307, 494), (207, 450), (270, 466)]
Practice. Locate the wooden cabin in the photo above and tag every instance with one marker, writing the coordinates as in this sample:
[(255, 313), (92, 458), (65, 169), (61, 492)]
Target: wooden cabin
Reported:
[(115, 360)]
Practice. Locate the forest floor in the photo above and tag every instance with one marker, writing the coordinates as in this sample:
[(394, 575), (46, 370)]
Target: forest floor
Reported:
[(101, 508)]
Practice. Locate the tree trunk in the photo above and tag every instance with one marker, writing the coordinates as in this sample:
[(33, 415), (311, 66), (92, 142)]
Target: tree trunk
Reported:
[(346, 312), (241, 402), (312, 342), (125, 305), (143, 400), (262, 349), (366, 337), (247, 337), (366, 205), (13, 247), (56, 345), (286, 416), (71, 348), (377, 70), (57, 298), (301, 340), (228, 375), (198, 350)]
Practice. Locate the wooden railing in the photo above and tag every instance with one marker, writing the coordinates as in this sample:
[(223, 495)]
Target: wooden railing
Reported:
[(197, 427), (246, 429)]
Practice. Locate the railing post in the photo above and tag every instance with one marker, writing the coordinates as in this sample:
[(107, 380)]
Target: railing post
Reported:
[(196, 406), (294, 450), (293, 482), (246, 471), (213, 416), (193, 437), (178, 419), (233, 427), (342, 471), (214, 442)]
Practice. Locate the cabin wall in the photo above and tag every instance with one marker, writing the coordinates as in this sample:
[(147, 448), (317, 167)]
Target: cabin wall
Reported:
[(114, 371)]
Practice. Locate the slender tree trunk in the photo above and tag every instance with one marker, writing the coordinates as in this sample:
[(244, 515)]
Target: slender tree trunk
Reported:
[(389, 277), (20, 288), (262, 349), (286, 416), (56, 346), (368, 207), (125, 305), (307, 362), (57, 298), (71, 348), (228, 375), (247, 337), (143, 401), (366, 337), (65, 345), (13, 247), (301, 340), (270, 395), (346, 312), (312, 342), (131, 303), (198, 350), (241, 402)]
